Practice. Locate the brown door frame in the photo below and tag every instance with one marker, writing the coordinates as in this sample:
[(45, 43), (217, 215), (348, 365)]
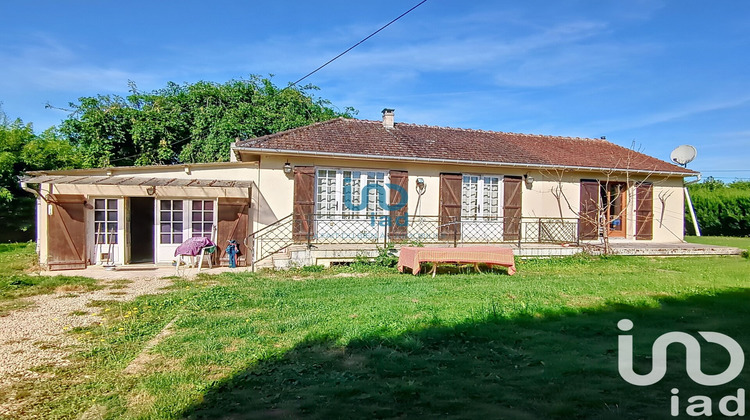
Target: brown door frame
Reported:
[(622, 215), (66, 232)]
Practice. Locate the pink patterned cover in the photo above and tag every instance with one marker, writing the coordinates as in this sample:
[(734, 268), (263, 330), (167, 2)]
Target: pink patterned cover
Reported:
[(413, 257), (193, 246)]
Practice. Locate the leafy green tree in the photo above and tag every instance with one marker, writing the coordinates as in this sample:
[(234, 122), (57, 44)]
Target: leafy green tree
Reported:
[(21, 150), (13, 137), (188, 123)]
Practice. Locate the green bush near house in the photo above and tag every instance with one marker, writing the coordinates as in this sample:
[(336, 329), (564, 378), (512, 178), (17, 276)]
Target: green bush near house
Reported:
[(721, 209)]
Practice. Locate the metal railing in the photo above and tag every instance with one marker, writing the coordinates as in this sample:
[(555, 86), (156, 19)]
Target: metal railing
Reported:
[(269, 240), (379, 229)]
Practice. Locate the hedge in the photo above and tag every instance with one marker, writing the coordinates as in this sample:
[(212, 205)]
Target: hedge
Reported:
[(721, 209)]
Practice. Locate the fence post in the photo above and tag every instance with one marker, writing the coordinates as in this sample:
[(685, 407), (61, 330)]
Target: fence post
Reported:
[(539, 230), (250, 252), (385, 231), (309, 231), (455, 234), (520, 229)]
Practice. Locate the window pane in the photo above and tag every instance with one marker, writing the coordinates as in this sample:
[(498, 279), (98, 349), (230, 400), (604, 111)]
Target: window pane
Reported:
[(177, 227), (177, 205), (99, 216), (111, 227), (99, 203), (207, 227), (177, 238), (196, 227), (208, 205), (112, 204), (113, 239), (166, 216), (208, 216), (166, 205), (165, 238), (197, 216), (112, 216), (165, 227), (197, 205), (177, 217)]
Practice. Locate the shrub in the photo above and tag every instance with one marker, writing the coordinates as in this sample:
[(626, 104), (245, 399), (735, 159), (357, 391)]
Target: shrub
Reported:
[(721, 209)]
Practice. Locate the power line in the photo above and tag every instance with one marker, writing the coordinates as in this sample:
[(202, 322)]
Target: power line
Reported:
[(358, 43)]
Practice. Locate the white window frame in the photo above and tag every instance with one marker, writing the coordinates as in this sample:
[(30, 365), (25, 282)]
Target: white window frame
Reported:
[(482, 207), (111, 216), (171, 222), (335, 204), (203, 222)]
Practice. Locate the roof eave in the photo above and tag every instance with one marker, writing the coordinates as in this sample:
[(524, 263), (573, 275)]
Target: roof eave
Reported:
[(685, 173)]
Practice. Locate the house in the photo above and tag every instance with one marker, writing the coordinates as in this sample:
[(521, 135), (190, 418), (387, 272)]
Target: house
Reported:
[(337, 188)]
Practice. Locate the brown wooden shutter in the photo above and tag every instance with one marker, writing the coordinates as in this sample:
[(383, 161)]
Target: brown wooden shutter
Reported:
[(399, 217), (304, 203), (66, 233), (644, 211), (588, 224), (234, 222), (512, 207), (450, 207)]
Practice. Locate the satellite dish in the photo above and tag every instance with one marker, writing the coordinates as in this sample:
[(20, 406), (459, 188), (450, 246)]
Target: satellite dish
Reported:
[(683, 155)]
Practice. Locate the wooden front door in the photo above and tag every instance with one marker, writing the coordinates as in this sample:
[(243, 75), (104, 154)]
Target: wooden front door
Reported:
[(304, 203), (614, 198), (450, 207), (66, 232), (512, 208), (234, 223)]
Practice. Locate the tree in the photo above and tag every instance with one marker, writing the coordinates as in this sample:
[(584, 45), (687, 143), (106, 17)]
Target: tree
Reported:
[(188, 123), (21, 150)]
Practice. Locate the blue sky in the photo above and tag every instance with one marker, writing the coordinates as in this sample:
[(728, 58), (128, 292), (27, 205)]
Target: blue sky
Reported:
[(656, 74)]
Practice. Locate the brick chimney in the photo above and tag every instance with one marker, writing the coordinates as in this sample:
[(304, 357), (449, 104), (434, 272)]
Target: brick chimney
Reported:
[(388, 118)]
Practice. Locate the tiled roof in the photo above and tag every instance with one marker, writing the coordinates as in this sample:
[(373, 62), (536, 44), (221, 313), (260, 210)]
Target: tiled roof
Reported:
[(370, 139)]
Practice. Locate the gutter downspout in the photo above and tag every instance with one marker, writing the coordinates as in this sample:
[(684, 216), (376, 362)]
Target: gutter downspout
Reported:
[(25, 187), (690, 203)]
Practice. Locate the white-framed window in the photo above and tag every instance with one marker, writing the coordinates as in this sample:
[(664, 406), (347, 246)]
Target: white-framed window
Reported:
[(330, 199), (354, 180), (328, 196), (171, 223), (202, 218), (480, 197), (375, 178), (105, 221)]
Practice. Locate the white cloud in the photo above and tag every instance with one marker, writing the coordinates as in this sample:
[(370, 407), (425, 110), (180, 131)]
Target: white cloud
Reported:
[(46, 64)]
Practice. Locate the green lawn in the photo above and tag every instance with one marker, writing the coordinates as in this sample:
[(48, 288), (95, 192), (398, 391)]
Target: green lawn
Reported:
[(743, 243), (17, 282), (378, 344)]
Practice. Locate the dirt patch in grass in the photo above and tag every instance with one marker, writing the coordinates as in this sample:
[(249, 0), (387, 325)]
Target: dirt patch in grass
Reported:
[(140, 402), (145, 359), (72, 288), (352, 275)]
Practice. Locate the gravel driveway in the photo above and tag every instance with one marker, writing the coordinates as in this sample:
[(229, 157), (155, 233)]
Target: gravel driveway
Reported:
[(37, 335)]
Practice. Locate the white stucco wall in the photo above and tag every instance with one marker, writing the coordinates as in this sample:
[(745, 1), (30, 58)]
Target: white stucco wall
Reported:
[(538, 201), (243, 171), (273, 198)]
